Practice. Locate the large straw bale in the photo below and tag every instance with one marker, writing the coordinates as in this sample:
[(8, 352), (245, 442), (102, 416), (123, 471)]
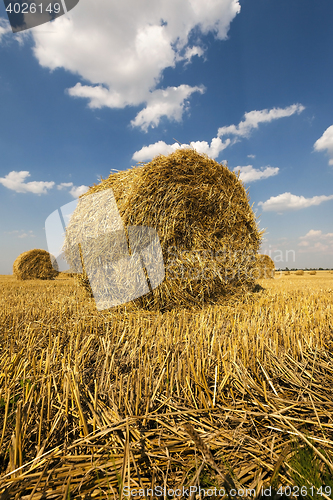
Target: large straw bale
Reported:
[(201, 213), (35, 264), (265, 266)]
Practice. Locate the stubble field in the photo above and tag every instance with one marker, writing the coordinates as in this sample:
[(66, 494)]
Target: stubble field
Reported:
[(235, 397)]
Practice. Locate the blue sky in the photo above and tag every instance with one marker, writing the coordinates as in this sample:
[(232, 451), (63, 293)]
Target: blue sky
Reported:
[(113, 83)]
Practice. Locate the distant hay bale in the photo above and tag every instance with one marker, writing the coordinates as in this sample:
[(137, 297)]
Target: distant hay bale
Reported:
[(35, 264), (287, 273), (66, 275), (265, 267), (300, 272), (313, 272), (200, 210)]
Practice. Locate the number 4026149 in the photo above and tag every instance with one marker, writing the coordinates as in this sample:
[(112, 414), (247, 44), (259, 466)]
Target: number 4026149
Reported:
[(32, 8)]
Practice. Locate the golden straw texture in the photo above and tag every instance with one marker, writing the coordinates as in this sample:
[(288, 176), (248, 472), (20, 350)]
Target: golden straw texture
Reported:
[(201, 213), (34, 264), (265, 266)]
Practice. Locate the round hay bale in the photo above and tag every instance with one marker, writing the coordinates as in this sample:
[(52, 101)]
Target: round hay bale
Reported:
[(265, 267), (313, 273), (200, 210), (35, 264), (65, 275), (300, 272)]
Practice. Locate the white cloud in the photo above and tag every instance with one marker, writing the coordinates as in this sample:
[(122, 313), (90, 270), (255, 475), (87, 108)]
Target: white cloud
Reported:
[(243, 129), (251, 156), (212, 150), (120, 49), (16, 182), (315, 241), (22, 233), (254, 118), (64, 185), (169, 102), (158, 148), (317, 234), (76, 191), (325, 142), (26, 235), (249, 174), (288, 201), (162, 148), (193, 51), (4, 28)]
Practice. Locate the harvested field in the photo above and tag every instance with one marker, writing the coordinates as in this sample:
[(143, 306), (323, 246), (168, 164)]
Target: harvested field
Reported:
[(236, 395)]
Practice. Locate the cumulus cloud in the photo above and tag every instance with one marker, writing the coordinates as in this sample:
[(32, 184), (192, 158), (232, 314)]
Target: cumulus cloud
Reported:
[(121, 49), (315, 241), (4, 28), (64, 185), (158, 148), (162, 148), (76, 191), (288, 201), (254, 118), (303, 244), (250, 174), (22, 233), (213, 149), (16, 182), (325, 143), (243, 129), (170, 103), (193, 51), (316, 234)]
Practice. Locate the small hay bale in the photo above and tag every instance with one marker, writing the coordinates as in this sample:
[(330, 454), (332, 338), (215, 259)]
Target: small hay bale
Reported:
[(35, 264), (300, 272), (313, 273), (265, 267), (200, 210), (66, 275), (286, 273)]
